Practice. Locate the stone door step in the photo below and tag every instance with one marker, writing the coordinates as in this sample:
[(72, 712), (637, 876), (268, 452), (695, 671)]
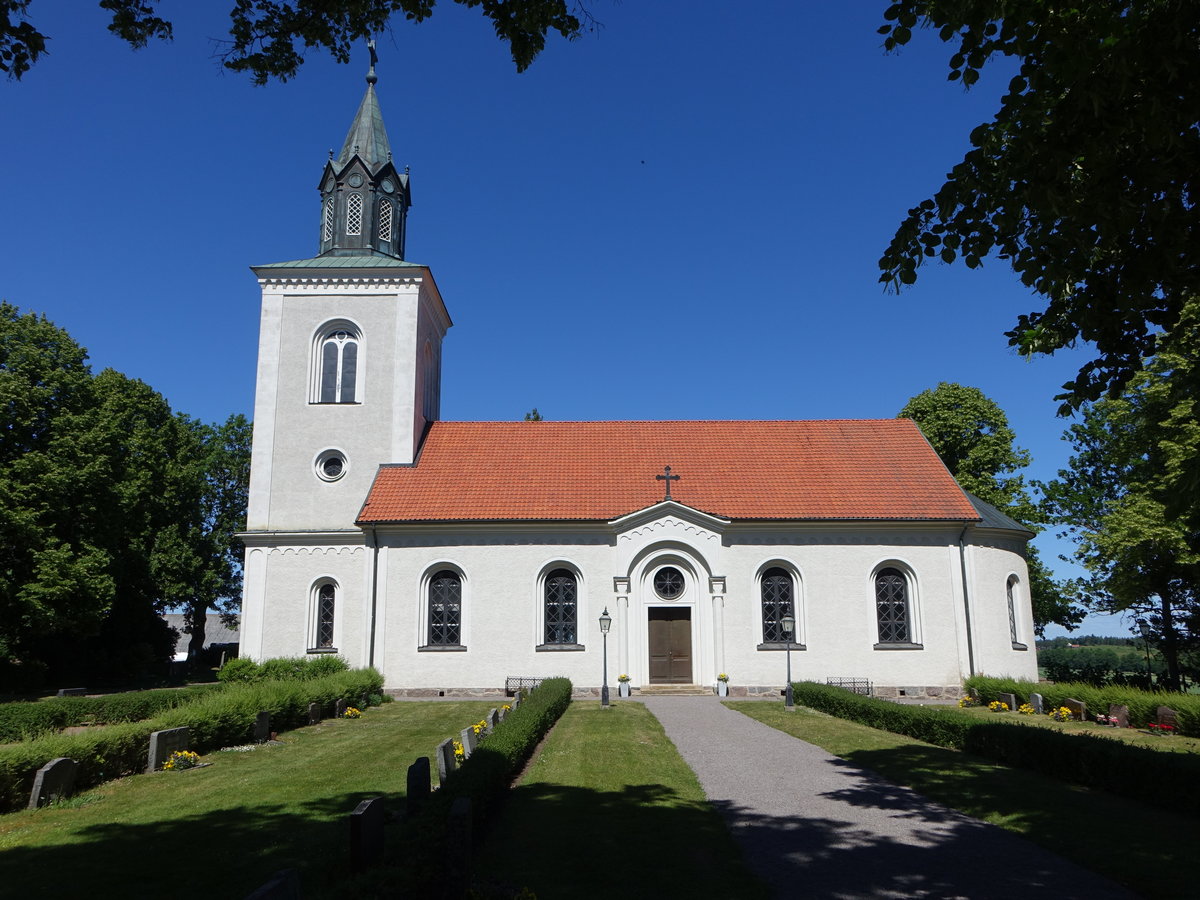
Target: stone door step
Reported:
[(676, 690)]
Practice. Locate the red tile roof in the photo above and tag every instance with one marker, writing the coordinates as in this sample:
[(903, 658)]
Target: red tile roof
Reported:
[(841, 469)]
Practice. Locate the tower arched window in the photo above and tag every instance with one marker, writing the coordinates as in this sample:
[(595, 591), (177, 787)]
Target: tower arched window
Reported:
[(385, 219), (1012, 591), (354, 214), (327, 221), (445, 609), (561, 597), (892, 607), (336, 365), (777, 590)]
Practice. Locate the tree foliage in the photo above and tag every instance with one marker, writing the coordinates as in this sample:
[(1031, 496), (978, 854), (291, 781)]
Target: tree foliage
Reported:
[(1114, 501), (269, 38), (1085, 179), (108, 511), (971, 434)]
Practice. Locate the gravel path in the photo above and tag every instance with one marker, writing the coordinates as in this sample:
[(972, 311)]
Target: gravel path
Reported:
[(813, 825)]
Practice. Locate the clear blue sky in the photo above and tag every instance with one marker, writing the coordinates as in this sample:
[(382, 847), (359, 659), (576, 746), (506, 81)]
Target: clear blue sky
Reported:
[(677, 218)]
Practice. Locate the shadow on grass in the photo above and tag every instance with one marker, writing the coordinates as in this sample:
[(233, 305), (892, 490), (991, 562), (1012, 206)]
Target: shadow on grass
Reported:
[(189, 856), (643, 841)]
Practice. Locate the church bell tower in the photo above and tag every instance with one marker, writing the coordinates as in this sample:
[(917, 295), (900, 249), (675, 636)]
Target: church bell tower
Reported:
[(364, 199)]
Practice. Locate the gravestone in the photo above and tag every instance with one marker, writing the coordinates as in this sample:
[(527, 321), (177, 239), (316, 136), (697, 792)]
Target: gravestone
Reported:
[(516, 700), (314, 713), (339, 709), (1167, 716), (445, 760), (53, 780), (458, 846), (1118, 714), (72, 692), (469, 740), (1010, 699), (262, 727), (163, 744), (417, 787), (284, 885), (493, 719), (1078, 709), (503, 713), (366, 833), (1038, 703)]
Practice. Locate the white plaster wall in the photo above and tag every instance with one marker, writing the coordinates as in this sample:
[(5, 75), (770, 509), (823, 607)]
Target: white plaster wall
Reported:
[(994, 654), (279, 593)]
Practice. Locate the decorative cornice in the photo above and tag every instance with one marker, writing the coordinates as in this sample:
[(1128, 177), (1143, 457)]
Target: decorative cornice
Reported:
[(359, 281), (355, 538)]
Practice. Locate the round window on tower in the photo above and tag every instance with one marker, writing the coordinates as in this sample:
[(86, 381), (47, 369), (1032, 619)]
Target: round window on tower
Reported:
[(331, 465), (668, 583)]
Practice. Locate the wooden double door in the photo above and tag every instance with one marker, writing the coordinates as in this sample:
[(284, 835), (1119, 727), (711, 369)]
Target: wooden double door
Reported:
[(670, 645)]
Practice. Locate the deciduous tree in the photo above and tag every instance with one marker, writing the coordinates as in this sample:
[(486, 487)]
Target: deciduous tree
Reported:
[(1085, 179), (971, 434), (268, 38)]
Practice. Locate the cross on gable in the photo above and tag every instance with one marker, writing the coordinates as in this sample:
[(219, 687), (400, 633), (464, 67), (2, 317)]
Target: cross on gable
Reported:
[(668, 478)]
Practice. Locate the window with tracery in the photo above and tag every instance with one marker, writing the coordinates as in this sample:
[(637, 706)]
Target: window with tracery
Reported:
[(891, 606), (445, 609), (561, 605), (338, 355), (326, 606), (777, 601)]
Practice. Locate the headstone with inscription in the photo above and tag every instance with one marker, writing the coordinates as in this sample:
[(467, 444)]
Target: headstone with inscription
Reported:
[(469, 740), (1118, 715), (314, 713), (1038, 703), (163, 744), (1010, 700), (417, 787), (446, 762), (262, 727), (492, 719), (366, 833), (1078, 709), (339, 708), (1164, 715), (53, 780)]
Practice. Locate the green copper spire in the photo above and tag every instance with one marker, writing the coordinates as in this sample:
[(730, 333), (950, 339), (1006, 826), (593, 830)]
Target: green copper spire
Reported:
[(364, 199), (367, 136)]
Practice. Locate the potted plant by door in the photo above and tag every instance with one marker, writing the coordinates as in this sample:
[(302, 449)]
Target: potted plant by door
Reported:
[(722, 685), (623, 685)]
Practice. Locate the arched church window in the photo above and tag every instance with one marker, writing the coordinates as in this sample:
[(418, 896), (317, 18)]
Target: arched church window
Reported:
[(778, 600), (327, 221), (1012, 591), (385, 220), (325, 607), (354, 214), (561, 599), (891, 606), (445, 609), (338, 367)]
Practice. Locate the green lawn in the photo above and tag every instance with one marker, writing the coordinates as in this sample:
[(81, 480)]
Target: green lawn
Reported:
[(1140, 846), (222, 830), (610, 809)]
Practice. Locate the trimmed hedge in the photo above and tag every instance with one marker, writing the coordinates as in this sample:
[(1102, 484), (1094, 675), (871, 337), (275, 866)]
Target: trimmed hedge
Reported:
[(22, 721), (302, 668), (216, 719), (1167, 780), (1142, 704)]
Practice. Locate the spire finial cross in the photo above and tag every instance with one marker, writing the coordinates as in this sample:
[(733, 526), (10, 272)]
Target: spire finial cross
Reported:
[(371, 76), (668, 478)]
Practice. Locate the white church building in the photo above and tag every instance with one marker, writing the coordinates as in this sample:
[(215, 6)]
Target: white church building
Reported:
[(454, 555)]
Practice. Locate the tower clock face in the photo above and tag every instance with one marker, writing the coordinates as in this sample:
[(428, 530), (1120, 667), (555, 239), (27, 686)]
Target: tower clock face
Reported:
[(387, 185), (355, 180)]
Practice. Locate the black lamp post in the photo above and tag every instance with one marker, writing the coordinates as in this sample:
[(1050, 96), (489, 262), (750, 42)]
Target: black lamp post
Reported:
[(789, 628), (605, 624)]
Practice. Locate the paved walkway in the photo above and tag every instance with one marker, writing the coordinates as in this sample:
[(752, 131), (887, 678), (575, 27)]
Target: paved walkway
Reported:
[(813, 825)]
